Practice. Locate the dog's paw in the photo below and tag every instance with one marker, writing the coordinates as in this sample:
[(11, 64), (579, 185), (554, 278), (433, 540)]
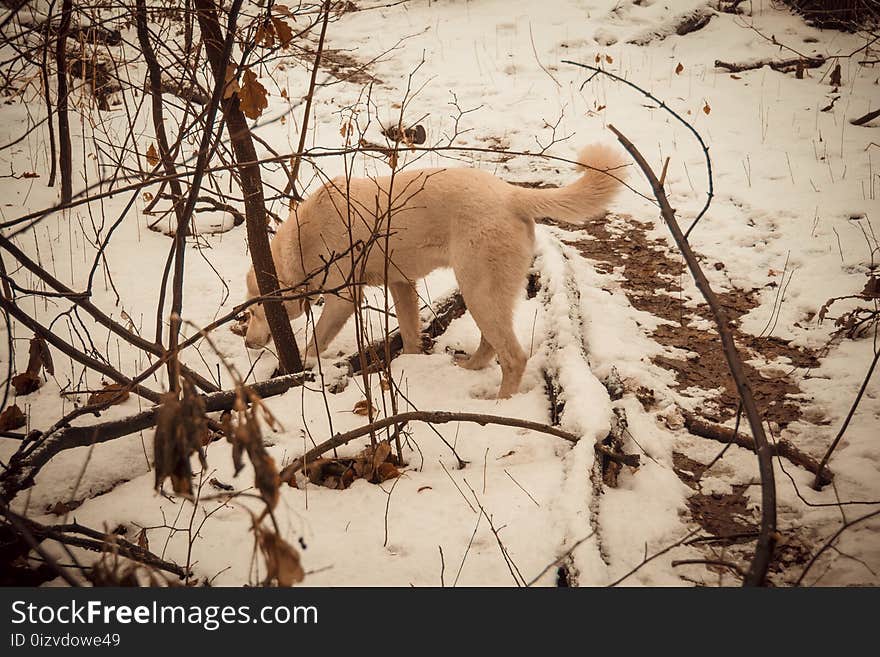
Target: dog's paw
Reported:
[(484, 392), (468, 362)]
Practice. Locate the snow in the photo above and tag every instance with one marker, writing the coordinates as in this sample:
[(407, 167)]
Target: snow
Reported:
[(795, 200)]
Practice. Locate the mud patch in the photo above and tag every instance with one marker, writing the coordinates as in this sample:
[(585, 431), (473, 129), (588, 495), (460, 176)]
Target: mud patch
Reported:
[(341, 65), (650, 276), (732, 525)]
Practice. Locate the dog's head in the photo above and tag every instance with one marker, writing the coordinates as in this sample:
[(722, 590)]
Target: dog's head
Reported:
[(258, 333)]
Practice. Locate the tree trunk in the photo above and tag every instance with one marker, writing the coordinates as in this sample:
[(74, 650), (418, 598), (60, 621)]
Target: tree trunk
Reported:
[(63, 124), (252, 189)]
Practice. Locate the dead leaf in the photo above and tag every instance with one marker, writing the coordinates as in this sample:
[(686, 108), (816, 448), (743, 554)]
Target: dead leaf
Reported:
[(609, 59), (265, 35), (735, 76), (387, 471), (679, 69), (142, 540), (152, 156), (872, 288), (835, 79), (363, 408), (180, 430), (39, 356), (26, 383), (219, 485), (282, 29), (12, 418), (282, 560), (112, 393), (706, 108), (252, 95), (392, 160), (246, 437), (63, 508)]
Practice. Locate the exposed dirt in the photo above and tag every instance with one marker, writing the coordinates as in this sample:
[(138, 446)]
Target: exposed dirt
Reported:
[(341, 65), (732, 525), (650, 277)]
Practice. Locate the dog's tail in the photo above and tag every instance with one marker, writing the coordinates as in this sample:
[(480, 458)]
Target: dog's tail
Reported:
[(604, 170)]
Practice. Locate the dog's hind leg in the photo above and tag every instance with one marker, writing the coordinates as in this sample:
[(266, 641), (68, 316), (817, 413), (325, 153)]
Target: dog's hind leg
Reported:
[(333, 317), (406, 305), (480, 358), (491, 299)]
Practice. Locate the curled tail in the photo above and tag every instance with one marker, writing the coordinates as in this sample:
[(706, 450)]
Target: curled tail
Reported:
[(586, 197)]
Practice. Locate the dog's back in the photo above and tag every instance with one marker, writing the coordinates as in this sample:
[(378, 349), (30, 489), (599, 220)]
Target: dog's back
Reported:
[(434, 214)]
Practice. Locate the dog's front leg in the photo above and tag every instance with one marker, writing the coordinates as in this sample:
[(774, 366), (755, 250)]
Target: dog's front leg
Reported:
[(333, 317), (406, 305)]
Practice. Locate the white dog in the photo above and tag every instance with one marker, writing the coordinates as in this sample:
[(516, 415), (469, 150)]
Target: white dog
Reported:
[(462, 218)]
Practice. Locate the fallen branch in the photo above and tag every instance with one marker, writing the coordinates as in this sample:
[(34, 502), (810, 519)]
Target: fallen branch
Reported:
[(444, 311), (817, 483), (870, 116), (632, 460), (23, 468), (780, 65), (430, 417), (783, 448), (91, 539), (767, 536), (75, 354)]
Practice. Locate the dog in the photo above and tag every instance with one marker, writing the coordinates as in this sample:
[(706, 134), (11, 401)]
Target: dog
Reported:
[(463, 218)]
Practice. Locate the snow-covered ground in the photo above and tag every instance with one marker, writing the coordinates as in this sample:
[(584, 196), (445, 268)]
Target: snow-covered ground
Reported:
[(795, 210)]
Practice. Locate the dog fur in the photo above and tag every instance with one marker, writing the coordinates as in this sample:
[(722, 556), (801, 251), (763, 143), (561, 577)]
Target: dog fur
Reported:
[(463, 218)]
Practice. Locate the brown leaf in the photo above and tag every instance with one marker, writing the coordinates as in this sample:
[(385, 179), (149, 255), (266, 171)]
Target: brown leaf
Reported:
[(219, 485), (282, 29), (26, 383), (39, 356), (282, 559), (63, 508), (315, 470), (180, 430), (12, 418), (142, 540), (835, 79), (112, 393), (383, 451), (609, 59), (387, 471), (679, 69), (392, 160), (152, 156), (265, 35), (706, 108), (872, 288), (252, 95), (363, 408), (246, 437)]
